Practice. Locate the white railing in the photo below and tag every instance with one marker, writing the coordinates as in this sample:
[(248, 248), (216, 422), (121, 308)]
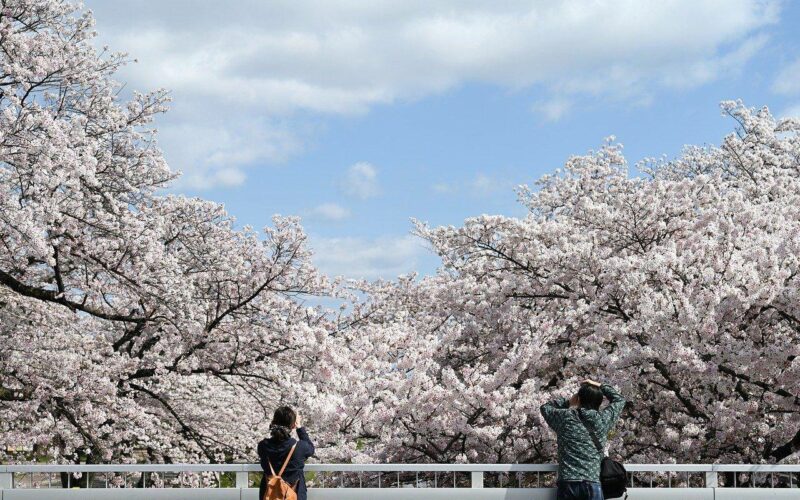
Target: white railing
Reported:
[(387, 481)]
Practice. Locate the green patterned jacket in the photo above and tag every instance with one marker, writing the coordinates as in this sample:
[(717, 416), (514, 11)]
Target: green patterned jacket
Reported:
[(578, 458)]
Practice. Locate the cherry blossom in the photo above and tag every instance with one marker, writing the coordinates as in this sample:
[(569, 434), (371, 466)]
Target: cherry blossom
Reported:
[(142, 326), (133, 325), (676, 282)]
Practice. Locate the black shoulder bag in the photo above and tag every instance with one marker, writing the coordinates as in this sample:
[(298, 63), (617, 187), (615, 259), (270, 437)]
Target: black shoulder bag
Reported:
[(613, 476)]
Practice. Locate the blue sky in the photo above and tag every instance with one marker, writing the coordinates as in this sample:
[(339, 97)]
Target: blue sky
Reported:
[(357, 116)]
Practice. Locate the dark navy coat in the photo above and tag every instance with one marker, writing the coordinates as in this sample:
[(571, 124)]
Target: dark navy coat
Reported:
[(275, 452)]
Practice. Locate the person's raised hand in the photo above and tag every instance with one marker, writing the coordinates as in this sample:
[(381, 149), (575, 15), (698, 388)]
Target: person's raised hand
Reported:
[(592, 382), (297, 423)]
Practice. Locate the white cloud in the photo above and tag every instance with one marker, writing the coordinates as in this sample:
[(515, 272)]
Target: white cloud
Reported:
[(370, 258), (480, 185), (702, 72), (213, 151), (485, 184), (788, 79), (553, 109), (330, 211), (361, 181), (269, 64), (225, 177), (635, 85)]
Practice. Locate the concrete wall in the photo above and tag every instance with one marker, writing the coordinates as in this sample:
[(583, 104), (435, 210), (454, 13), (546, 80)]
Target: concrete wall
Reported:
[(395, 494)]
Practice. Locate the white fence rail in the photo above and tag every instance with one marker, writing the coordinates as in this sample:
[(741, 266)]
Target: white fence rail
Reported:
[(387, 481)]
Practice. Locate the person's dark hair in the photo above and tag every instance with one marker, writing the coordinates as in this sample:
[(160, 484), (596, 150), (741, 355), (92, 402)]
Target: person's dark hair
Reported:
[(282, 422), (590, 396)]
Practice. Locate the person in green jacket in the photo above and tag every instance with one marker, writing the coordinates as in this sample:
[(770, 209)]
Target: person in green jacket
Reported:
[(578, 457)]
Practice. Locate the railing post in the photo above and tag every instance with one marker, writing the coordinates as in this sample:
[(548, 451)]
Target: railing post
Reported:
[(477, 479), (6, 480), (242, 479), (711, 479)]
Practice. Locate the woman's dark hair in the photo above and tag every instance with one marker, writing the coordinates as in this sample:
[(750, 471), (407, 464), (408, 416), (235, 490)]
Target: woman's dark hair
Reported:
[(282, 422), (591, 397)]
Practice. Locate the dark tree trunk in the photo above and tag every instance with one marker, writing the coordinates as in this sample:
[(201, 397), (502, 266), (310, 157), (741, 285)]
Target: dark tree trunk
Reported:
[(786, 449)]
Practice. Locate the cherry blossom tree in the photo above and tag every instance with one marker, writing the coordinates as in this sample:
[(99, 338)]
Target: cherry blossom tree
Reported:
[(139, 325), (678, 284), (132, 323)]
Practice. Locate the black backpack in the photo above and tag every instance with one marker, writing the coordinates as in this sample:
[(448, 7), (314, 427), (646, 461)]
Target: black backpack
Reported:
[(613, 476)]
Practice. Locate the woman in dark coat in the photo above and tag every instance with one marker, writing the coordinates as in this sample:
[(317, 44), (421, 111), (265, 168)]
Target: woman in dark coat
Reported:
[(275, 448)]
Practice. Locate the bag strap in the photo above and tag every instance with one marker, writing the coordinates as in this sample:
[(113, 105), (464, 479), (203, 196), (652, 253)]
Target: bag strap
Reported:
[(591, 434), (286, 462)]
